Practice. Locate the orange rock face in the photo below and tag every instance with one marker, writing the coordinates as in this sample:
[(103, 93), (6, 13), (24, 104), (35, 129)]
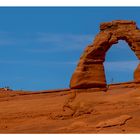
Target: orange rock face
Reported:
[(137, 74), (90, 70)]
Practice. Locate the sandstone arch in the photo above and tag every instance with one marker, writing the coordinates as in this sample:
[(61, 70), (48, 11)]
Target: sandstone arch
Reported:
[(90, 70)]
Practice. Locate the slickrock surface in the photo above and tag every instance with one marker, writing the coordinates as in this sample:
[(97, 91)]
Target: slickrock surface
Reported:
[(90, 70), (116, 110), (121, 120)]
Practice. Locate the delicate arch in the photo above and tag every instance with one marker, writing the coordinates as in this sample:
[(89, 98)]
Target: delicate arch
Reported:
[(90, 70)]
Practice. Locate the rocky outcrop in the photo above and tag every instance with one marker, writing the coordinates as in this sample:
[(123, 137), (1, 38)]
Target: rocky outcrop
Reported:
[(90, 70), (121, 120)]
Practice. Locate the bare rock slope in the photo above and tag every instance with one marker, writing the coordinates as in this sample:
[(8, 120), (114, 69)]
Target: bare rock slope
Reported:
[(116, 110)]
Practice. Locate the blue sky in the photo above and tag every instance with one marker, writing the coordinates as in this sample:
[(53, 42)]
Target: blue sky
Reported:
[(40, 47)]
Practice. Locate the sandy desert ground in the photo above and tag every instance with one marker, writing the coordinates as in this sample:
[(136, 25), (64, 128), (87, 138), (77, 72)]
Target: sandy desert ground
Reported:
[(116, 110)]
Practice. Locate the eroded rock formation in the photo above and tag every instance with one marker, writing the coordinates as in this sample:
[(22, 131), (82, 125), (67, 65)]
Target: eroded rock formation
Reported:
[(90, 70)]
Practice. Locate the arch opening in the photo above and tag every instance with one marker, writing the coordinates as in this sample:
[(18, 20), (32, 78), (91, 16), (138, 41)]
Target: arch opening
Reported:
[(120, 63)]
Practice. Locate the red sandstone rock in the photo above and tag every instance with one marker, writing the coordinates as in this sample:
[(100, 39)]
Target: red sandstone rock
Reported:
[(137, 74), (121, 120), (90, 70)]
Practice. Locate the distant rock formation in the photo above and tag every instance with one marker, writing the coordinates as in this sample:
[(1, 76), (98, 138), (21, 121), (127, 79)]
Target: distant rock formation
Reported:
[(90, 70)]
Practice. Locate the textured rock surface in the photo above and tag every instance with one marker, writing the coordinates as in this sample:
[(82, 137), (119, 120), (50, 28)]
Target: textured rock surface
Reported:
[(121, 120), (137, 74), (90, 70), (38, 112)]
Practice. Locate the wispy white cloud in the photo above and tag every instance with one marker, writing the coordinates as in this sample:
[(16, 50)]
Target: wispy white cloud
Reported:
[(121, 65), (56, 38), (61, 42), (6, 42), (109, 66), (33, 62), (6, 38), (5, 33)]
